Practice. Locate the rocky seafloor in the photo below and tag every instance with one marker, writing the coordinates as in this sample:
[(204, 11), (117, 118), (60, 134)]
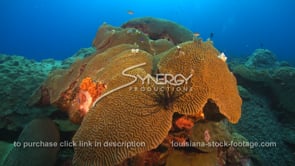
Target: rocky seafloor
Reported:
[(266, 86)]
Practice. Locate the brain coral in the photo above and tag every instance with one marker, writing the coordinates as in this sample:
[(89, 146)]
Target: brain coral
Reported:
[(132, 115), (129, 119), (109, 36), (211, 81), (62, 86)]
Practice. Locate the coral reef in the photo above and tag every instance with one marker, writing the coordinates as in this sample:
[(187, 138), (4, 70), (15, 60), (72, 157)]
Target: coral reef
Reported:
[(29, 150), (262, 72), (265, 127), (133, 100), (17, 83), (135, 110), (267, 90), (261, 58), (20, 77), (141, 95)]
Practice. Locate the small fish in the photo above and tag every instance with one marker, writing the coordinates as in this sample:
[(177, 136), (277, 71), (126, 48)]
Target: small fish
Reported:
[(196, 34), (211, 35), (130, 12)]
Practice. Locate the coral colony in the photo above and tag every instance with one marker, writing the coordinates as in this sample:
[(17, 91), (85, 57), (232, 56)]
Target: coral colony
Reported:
[(116, 99)]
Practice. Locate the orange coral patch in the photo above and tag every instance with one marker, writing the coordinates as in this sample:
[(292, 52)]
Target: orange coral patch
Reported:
[(88, 92), (95, 89), (184, 122)]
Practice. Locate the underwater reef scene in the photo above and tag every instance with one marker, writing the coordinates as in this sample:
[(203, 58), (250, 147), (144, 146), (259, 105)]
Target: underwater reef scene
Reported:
[(148, 93)]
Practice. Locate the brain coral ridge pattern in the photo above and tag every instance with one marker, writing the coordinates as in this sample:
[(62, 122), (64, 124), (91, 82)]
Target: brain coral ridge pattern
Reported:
[(211, 79), (146, 116)]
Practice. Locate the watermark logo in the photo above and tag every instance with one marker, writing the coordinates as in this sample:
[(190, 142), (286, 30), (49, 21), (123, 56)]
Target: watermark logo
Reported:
[(159, 79)]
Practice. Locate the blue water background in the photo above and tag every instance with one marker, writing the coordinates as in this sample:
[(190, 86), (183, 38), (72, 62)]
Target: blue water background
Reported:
[(56, 29)]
